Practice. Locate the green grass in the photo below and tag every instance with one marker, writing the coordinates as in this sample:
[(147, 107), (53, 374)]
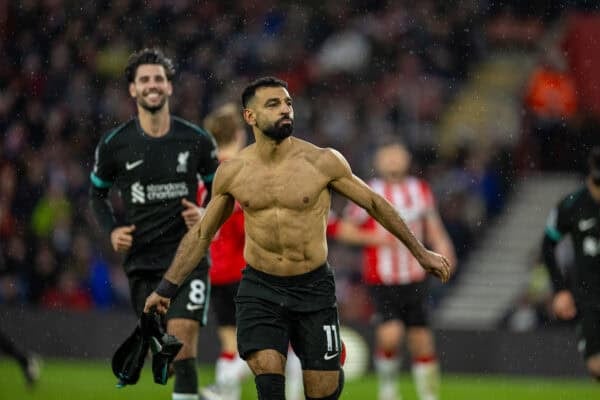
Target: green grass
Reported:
[(87, 380)]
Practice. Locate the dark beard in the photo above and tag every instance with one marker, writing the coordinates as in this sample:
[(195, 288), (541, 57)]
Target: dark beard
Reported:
[(279, 132), (153, 109)]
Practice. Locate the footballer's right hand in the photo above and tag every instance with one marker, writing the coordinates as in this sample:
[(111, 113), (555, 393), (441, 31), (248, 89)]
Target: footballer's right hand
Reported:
[(563, 305), (157, 303), (121, 238)]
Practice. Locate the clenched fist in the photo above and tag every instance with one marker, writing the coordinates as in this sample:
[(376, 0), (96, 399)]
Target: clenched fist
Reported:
[(191, 213), (121, 238)]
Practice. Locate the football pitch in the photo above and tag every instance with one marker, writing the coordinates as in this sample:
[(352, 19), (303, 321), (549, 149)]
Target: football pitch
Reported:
[(93, 380)]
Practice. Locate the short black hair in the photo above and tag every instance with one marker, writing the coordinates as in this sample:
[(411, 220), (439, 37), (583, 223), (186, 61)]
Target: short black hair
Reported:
[(148, 56), (265, 81)]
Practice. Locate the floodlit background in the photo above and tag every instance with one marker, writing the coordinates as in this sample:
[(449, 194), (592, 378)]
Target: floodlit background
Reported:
[(499, 101)]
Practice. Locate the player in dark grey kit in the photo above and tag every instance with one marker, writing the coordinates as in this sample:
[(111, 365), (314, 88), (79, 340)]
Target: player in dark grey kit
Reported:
[(155, 160), (578, 214)]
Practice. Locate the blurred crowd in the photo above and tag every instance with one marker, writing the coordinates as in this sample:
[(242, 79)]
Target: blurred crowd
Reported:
[(358, 71)]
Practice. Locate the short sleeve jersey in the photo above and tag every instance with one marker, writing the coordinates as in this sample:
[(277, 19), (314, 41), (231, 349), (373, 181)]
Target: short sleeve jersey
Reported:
[(152, 175), (578, 214), (395, 265)]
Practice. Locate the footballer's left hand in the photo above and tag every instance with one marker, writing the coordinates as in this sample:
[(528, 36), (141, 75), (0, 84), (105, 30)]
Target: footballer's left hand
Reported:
[(156, 302), (191, 213), (436, 265)]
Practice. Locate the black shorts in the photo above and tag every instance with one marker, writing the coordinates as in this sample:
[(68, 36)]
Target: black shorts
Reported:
[(222, 303), (588, 330), (190, 302), (273, 312), (407, 303)]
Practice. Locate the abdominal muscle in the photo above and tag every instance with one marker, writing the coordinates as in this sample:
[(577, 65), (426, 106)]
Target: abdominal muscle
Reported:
[(285, 242)]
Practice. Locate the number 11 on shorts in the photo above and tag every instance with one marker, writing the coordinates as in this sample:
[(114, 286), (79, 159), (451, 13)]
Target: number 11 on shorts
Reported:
[(332, 337)]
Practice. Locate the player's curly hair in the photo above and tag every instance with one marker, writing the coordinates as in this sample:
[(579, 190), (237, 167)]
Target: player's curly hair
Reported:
[(148, 56)]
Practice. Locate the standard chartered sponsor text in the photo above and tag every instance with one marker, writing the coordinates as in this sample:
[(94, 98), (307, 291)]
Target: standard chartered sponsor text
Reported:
[(166, 191)]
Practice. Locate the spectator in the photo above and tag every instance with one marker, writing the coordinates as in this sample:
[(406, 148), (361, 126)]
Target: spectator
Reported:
[(551, 101), (58, 93)]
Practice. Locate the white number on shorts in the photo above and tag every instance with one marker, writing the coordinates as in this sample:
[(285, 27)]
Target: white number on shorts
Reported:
[(197, 292), (331, 335)]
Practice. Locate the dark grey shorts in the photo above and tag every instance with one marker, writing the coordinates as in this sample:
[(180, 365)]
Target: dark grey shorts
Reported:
[(273, 312), (190, 302)]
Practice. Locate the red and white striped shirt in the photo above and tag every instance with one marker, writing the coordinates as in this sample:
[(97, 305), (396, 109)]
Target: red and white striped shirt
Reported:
[(394, 264)]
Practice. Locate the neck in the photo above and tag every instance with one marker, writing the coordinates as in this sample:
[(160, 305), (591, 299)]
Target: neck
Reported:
[(269, 149), (594, 190), (155, 124), (395, 178)]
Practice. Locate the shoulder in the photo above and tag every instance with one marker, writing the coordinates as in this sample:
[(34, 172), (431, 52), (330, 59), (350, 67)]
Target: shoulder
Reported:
[(116, 134), (227, 171), (333, 163), (573, 199), (327, 159)]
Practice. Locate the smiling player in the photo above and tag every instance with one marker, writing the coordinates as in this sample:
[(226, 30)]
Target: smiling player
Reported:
[(154, 161)]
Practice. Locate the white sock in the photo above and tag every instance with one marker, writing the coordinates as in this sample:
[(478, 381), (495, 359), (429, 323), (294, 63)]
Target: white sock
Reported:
[(426, 375), (387, 369), (228, 378), (294, 389), (185, 396), (242, 368)]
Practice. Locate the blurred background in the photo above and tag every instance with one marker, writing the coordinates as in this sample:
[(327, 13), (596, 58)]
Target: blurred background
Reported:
[(499, 102)]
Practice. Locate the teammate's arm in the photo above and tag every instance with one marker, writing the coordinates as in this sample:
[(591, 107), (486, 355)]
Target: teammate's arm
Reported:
[(102, 208), (353, 188), (191, 213), (549, 255), (121, 237), (194, 246), (102, 178), (563, 303)]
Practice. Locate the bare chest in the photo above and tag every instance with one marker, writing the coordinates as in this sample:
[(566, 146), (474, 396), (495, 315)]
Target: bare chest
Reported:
[(290, 186)]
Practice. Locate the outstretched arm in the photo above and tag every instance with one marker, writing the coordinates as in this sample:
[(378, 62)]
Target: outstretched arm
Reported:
[(353, 188), (350, 233), (192, 248), (195, 243)]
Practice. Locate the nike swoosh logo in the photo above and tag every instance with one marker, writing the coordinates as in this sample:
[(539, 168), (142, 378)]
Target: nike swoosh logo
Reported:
[(193, 307), (586, 224), (129, 166), (329, 356)]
